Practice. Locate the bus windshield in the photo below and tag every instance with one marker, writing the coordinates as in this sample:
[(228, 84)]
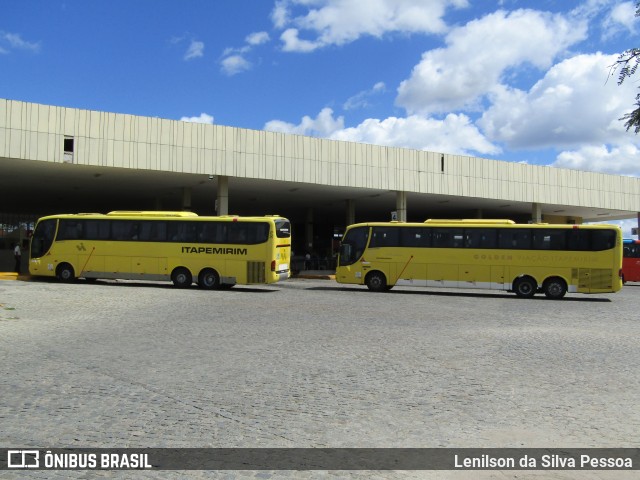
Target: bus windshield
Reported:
[(353, 245)]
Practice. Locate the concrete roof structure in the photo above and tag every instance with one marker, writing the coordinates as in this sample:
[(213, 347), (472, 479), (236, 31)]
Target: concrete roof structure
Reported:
[(56, 159)]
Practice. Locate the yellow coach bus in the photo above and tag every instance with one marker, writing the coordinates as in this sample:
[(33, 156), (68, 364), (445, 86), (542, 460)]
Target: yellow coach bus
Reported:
[(489, 254), (215, 252)]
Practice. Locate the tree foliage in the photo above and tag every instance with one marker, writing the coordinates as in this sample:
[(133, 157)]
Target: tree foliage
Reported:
[(626, 66)]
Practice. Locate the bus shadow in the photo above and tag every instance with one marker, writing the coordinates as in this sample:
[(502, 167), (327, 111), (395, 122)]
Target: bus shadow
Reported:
[(505, 296), (157, 285)]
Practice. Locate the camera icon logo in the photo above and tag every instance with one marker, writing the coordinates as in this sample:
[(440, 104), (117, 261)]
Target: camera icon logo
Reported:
[(23, 458)]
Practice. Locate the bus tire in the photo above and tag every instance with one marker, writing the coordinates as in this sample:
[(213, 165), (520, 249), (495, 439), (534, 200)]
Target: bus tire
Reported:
[(65, 273), (181, 277), (525, 287), (376, 282), (209, 279), (554, 288)]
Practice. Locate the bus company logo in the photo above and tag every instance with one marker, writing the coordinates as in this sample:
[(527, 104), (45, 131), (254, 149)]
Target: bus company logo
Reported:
[(81, 247), (215, 251), (23, 459)]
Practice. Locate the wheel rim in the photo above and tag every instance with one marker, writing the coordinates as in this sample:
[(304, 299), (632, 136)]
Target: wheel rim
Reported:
[(525, 288), (554, 289), (209, 279)]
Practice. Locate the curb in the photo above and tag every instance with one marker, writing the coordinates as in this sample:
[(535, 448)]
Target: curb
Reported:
[(14, 276)]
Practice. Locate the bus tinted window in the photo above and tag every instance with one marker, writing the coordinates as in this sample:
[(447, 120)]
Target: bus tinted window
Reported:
[(447, 237), (123, 230), (417, 237), (182, 232), (353, 245), (578, 239), (549, 239), (603, 239), (385, 237), (42, 238), (283, 228), (152, 231), (69, 230), (97, 229), (631, 251), (481, 238), (515, 238)]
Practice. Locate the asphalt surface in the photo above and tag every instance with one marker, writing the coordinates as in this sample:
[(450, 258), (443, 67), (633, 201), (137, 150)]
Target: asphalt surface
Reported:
[(311, 363)]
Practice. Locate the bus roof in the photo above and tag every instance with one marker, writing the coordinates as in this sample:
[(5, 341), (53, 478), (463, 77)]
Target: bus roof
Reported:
[(482, 221), (144, 213), (157, 215)]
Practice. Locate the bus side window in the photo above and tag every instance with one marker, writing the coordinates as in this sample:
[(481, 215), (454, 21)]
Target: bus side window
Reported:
[(385, 237), (515, 239), (70, 230), (603, 239)]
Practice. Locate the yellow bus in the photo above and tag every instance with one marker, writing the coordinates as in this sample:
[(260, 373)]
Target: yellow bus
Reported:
[(215, 252), (489, 254)]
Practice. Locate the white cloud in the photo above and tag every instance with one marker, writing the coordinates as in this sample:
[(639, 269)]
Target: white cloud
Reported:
[(622, 17), (324, 125), (453, 134), (203, 118), (477, 55), (619, 160), (195, 50), (234, 60), (257, 38), (572, 104), (13, 41), (235, 64), (361, 99), (336, 22)]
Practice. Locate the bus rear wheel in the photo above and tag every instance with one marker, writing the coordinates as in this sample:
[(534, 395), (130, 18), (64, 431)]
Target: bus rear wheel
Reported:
[(376, 282), (525, 287), (208, 279), (65, 273), (181, 277), (554, 288)]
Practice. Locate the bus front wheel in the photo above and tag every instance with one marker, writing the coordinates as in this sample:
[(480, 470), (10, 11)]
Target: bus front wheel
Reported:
[(208, 279), (65, 273), (525, 287), (554, 288), (376, 282), (181, 278)]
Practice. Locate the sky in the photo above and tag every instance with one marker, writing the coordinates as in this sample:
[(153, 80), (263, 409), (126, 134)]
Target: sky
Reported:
[(520, 81)]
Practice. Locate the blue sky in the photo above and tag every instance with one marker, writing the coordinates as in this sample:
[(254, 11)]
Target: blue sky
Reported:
[(523, 81)]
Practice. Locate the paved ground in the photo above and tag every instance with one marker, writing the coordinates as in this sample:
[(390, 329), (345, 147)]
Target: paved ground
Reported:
[(310, 363)]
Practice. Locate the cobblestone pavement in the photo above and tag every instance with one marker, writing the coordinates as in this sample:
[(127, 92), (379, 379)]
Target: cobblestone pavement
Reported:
[(310, 363)]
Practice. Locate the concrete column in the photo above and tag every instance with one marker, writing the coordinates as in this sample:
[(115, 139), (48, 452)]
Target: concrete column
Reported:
[(351, 212), (536, 213), (186, 198), (308, 230), (222, 200), (401, 206)]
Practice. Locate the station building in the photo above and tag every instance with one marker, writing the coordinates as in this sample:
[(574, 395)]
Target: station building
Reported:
[(64, 160)]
